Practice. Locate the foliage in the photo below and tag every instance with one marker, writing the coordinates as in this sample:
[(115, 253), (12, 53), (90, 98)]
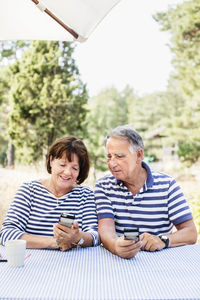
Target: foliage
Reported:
[(189, 151), (183, 23), (153, 117), (11, 50), (47, 98), (4, 110), (106, 111), (3, 151)]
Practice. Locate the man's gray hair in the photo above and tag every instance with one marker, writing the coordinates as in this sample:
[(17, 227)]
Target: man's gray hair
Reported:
[(128, 133)]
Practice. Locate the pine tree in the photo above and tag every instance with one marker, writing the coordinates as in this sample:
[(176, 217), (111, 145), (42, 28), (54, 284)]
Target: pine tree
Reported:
[(48, 98)]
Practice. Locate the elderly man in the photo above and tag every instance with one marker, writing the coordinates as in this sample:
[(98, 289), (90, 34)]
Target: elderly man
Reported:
[(135, 196)]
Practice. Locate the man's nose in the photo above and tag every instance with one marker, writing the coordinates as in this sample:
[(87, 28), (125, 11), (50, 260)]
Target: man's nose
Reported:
[(113, 161)]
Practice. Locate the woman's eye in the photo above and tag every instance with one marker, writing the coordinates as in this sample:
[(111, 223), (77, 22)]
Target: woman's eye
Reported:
[(76, 169)]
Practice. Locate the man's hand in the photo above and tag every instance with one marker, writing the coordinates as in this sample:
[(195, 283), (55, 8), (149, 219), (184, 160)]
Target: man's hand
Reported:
[(151, 242), (116, 245), (126, 248)]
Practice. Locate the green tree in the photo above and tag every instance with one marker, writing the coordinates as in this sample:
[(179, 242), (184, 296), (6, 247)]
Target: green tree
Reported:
[(106, 110), (10, 51), (183, 23), (4, 108), (48, 98), (154, 117)]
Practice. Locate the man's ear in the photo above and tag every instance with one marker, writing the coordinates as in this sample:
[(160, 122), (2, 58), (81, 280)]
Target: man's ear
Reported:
[(140, 154)]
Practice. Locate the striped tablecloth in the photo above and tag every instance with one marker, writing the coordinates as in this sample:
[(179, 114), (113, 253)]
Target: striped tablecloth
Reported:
[(95, 273)]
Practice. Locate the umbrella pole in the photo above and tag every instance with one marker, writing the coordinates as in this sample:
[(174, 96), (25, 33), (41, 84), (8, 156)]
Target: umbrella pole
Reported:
[(46, 10)]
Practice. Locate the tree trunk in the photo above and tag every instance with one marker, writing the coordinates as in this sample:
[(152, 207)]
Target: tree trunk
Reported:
[(11, 155)]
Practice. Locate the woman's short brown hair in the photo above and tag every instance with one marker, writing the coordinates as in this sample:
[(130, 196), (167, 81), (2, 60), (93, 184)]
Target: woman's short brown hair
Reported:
[(69, 145)]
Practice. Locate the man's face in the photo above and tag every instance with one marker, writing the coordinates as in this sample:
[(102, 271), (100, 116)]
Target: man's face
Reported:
[(122, 163)]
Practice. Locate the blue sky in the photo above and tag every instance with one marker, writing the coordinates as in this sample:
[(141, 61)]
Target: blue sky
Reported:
[(127, 48)]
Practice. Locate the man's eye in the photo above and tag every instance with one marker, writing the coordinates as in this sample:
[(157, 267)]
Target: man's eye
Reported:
[(120, 155)]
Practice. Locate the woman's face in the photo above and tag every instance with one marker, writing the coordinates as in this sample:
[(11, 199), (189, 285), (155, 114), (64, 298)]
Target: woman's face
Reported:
[(64, 173)]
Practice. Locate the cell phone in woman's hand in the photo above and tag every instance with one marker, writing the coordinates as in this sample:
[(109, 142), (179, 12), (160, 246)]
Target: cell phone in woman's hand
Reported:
[(66, 219)]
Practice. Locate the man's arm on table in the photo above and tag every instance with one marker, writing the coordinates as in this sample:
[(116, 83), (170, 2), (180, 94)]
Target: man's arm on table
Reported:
[(186, 234), (116, 245)]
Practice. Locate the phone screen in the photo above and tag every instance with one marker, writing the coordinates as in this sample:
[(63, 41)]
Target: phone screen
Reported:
[(131, 234), (66, 219)]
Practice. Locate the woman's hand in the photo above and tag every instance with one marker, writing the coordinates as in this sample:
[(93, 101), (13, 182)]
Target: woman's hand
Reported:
[(67, 237)]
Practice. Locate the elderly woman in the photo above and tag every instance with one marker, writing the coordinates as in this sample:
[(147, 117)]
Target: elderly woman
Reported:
[(37, 206)]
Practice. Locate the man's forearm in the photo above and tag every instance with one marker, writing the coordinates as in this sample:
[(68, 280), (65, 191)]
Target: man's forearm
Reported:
[(107, 234), (109, 242), (186, 234)]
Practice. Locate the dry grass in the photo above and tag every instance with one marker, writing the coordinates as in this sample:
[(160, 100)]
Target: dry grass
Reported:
[(10, 180)]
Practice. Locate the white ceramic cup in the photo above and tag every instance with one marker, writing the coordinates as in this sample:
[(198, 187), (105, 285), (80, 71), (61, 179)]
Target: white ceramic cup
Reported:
[(15, 252)]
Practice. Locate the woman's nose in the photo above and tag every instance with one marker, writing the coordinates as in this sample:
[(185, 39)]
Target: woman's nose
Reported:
[(67, 170)]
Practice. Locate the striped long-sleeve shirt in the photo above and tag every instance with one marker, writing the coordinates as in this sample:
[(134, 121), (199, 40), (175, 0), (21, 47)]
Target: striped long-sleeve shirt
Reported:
[(157, 207), (35, 210)]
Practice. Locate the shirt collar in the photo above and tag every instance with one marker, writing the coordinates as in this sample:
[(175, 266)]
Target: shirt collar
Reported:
[(149, 181)]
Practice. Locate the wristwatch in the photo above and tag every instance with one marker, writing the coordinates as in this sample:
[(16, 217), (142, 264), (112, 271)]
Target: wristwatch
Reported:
[(80, 243), (165, 239)]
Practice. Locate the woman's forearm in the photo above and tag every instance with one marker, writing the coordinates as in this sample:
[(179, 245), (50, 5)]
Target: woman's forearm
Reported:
[(39, 242)]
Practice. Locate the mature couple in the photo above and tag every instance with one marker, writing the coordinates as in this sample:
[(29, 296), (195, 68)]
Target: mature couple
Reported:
[(132, 196)]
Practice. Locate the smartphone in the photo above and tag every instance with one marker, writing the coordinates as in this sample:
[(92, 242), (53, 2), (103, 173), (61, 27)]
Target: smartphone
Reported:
[(66, 219), (131, 234)]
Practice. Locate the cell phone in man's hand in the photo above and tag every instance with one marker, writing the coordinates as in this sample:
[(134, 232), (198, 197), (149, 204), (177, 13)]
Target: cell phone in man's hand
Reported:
[(131, 234), (66, 219)]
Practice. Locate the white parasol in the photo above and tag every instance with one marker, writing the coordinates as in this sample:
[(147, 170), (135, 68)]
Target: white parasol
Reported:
[(65, 20)]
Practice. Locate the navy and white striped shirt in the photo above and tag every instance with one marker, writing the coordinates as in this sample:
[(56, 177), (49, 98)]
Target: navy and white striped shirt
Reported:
[(158, 205), (35, 210)]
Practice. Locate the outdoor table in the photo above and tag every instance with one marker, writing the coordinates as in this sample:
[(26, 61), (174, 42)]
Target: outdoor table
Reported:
[(97, 274)]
